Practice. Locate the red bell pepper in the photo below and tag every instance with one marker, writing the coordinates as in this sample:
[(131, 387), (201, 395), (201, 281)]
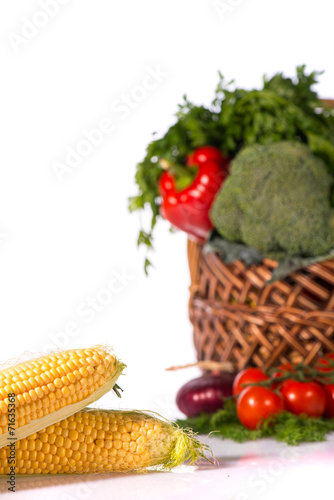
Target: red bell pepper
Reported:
[(188, 209)]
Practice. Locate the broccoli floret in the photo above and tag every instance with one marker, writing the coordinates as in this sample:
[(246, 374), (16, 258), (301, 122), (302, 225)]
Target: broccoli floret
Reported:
[(276, 200)]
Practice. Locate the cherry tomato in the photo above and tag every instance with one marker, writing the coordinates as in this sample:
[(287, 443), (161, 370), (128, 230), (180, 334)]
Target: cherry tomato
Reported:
[(247, 376), (282, 369), (329, 390), (325, 364), (256, 404), (304, 397)]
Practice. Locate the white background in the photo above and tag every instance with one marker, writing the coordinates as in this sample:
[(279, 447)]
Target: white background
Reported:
[(61, 241)]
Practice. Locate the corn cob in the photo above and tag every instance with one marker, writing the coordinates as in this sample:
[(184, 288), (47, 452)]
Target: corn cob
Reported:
[(50, 388), (103, 441)]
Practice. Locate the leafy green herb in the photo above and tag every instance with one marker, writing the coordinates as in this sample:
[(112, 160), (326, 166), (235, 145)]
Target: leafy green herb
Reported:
[(284, 109), (147, 265), (286, 427)]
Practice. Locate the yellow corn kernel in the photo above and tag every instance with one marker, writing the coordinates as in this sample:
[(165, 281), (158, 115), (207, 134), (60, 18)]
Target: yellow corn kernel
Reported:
[(57, 449), (53, 387)]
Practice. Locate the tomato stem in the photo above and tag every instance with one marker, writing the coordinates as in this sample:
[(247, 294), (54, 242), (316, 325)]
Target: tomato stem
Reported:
[(301, 373)]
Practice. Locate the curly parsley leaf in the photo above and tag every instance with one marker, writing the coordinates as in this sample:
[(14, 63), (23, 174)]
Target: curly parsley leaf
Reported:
[(286, 427)]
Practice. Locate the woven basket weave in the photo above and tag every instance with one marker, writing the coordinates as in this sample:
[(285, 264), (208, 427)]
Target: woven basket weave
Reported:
[(238, 318)]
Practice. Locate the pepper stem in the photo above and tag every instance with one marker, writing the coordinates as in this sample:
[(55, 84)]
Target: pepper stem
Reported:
[(183, 174)]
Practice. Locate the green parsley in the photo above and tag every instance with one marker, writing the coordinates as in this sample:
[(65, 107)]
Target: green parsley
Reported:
[(286, 426)]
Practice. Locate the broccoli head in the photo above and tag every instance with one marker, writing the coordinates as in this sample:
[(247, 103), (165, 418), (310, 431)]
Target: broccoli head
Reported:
[(276, 200)]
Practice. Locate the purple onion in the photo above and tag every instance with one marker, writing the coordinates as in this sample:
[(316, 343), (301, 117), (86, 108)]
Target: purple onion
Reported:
[(204, 394)]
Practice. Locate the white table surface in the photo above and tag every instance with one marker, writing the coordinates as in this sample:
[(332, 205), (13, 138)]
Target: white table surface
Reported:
[(263, 469)]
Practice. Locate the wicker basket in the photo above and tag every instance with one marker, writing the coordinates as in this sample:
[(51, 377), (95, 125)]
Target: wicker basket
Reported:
[(238, 318)]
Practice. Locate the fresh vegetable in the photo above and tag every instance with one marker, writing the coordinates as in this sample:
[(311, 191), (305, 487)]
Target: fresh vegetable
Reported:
[(208, 153), (276, 200), (247, 376), (292, 414), (285, 426), (282, 370), (326, 365), (53, 387), (188, 208), (283, 109), (103, 441), (329, 391), (255, 404), (304, 397), (204, 394)]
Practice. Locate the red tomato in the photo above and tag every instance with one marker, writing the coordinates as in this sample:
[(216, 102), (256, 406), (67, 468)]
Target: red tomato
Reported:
[(329, 390), (247, 376), (282, 369), (256, 404), (304, 397)]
